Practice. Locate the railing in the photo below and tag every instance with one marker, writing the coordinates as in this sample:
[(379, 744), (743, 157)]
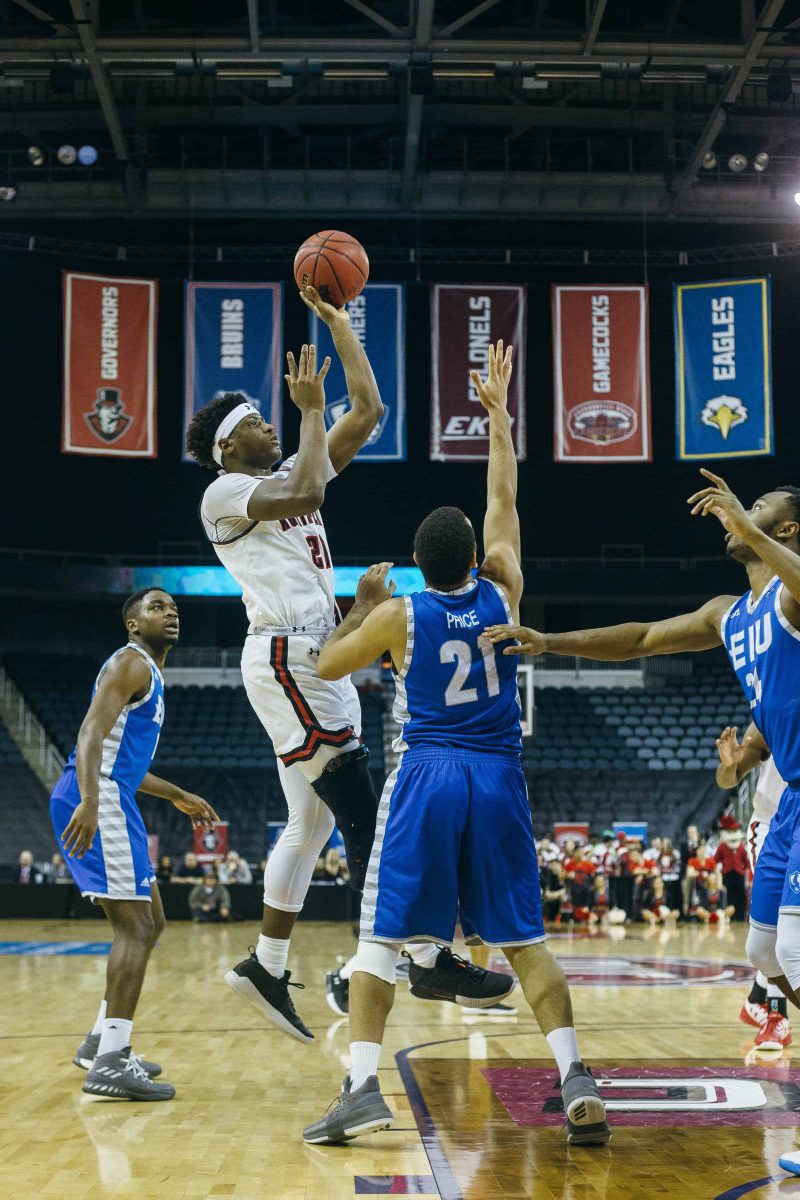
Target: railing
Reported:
[(661, 664), (28, 732)]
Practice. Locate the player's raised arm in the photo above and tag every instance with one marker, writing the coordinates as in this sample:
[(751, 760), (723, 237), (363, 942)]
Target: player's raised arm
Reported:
[(501, 540), (371, 627), (718, 500), (303, 489), (699, 630), (126, 677), (737, 759), (352, 429)]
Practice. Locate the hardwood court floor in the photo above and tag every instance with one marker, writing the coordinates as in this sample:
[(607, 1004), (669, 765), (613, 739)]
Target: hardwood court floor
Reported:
[(476, 1102)]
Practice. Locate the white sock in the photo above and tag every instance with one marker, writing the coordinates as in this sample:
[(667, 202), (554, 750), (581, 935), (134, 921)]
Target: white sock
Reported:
[(101, 1016), (347, 970), (774, 992), (116, 1035), (424, 954), (364, 1058), (272, 953), (762, 980), (564, 1045)]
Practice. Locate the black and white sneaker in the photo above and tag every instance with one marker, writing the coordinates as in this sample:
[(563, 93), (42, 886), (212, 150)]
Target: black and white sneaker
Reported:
[(121, 1076), (363, 1111), (87, 1053), (490, 1010), (269, 995), (453, 978), (337, 993), (584, 1108)]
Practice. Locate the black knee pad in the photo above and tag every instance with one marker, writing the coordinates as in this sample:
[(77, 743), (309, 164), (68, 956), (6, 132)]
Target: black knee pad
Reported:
[(346, 788)]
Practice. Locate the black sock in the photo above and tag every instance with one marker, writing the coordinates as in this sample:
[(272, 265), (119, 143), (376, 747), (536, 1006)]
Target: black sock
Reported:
[(758, 994), (778, 1004)]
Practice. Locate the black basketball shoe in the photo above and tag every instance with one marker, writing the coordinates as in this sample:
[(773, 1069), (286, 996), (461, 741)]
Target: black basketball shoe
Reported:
[(269, 995), (337, 993), (453, 978)]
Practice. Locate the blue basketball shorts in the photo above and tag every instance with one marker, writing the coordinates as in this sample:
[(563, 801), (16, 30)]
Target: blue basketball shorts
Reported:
[(118, 865), (776, 883), (454, 830)]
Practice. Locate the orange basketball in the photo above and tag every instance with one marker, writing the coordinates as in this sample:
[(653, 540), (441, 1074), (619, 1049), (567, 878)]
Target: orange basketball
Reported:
[(334, 263)]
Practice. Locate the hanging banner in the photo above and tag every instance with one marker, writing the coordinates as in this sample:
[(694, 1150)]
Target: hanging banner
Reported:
[(467, 319), (109, 402), (233, 344), (601, 374), (723, 373), (378, 317)]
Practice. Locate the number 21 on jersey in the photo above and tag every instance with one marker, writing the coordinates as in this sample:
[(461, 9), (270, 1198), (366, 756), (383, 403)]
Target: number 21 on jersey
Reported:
[(319, 551), (461, 654)]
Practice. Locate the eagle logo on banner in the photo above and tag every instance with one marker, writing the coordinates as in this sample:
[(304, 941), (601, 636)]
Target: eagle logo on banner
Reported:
[(108, 419), (723, 412)]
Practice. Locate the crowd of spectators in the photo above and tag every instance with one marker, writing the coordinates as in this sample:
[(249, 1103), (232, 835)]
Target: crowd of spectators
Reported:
[(619, 878)]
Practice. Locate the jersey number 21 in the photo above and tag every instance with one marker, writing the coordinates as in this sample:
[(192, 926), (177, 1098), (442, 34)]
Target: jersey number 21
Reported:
[(461, 654)]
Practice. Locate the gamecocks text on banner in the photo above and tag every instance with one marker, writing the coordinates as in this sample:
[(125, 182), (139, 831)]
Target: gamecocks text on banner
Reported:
[(378, 318), (233, 344), (109, 402), (601, 374), (723, 377), (467, 319)]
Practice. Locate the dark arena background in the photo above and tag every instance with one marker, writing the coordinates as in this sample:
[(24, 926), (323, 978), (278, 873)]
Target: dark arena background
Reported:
[(613, 187)]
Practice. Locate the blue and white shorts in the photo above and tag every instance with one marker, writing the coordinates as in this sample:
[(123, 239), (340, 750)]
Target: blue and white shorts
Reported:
[(454, 830), (776, 883), (118, 865)]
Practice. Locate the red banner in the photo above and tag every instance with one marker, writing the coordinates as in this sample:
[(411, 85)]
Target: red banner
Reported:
[(601, 374), (467, 319), (211, 845), (109, 366), (571, 831)]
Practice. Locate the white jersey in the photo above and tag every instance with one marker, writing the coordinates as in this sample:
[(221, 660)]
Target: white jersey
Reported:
[(769, 789), (283, 567)]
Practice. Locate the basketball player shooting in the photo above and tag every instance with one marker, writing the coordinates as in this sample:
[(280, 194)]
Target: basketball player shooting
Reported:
[(101, 833), (454, 826), (761, 633)]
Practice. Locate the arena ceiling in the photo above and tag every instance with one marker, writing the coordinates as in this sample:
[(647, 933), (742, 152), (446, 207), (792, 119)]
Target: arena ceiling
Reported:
[(583, 109)]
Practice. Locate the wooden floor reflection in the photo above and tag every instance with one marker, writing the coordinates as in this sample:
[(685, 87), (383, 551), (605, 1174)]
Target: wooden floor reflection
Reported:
[(476, 1101)]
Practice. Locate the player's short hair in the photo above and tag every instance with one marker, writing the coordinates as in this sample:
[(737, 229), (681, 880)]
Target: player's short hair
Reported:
[(133, 601), (204, 424), (444, 545), (794, 498)]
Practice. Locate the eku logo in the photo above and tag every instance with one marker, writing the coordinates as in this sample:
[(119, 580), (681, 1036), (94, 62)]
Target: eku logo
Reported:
[(794, 881)]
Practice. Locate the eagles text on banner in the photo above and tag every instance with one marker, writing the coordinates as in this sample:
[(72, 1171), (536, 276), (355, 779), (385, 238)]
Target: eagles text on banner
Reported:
[(723, 380), (378, 317), (601, 374), (109, 403), (233, 344), (467, 319)]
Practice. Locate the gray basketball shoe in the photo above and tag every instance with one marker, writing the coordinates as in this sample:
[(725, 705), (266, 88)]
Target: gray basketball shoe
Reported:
[(584, 1108), (87, 1053), (362, 1111), (121, 1076)]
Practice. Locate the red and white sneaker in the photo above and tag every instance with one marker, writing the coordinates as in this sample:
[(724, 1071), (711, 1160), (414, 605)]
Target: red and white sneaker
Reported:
[(753, 1014), (775, 1034)]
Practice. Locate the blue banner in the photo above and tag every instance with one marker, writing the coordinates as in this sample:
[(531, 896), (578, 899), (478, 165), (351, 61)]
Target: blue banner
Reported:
[(233, 344), (723, 373), (378, 316)]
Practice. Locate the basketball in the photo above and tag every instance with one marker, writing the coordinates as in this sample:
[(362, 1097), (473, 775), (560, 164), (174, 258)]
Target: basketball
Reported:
[(334, 263)]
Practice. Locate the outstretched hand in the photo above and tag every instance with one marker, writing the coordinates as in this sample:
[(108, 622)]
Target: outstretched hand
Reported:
[(493, 391), (719, 501), (372, 589), (529, 641), (306, 383), (202, 814), (730, 750), (325, 311)]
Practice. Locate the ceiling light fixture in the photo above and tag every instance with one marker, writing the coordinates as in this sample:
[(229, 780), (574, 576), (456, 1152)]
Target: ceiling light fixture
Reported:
[(737, 163)]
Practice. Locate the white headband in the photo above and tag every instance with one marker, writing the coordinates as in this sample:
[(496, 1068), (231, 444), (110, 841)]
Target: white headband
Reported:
[(227, 425)]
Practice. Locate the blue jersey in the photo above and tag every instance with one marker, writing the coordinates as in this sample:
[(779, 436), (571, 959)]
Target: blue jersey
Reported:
[(764, 649), (131, 745), (454, 690)]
